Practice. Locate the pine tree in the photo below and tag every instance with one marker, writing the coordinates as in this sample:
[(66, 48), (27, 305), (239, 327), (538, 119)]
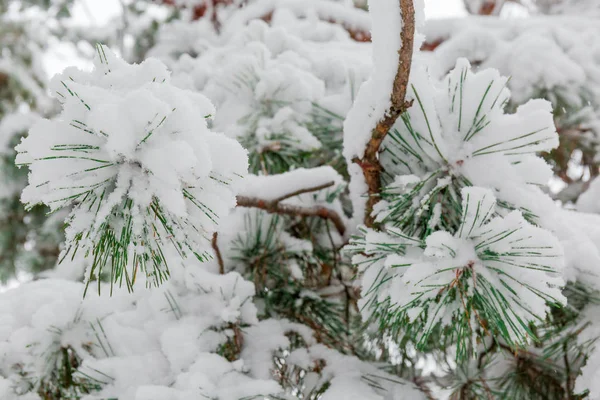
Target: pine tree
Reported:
[(289, 200)]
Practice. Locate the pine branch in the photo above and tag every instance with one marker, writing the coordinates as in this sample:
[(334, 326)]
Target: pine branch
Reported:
[(370, 161), (275, 207), (422, 386), (305, 190), (3, 79), (215, 246), (490, 7)]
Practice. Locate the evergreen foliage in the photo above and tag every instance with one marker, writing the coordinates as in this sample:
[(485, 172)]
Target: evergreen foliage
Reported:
[(216, 152)]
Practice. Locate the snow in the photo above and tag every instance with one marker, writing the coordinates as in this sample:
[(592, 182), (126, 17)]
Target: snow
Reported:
[(114, 146), (135, 339), (467, 133), (589, 201), (374, 96), (373, 100), (274, 86), (273, 187), (134, 139), (163, 343), (525, 270), (348, 16), (14, 124)]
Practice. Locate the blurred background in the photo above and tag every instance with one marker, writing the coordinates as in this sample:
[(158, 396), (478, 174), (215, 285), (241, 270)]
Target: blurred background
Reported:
[(550, 48)]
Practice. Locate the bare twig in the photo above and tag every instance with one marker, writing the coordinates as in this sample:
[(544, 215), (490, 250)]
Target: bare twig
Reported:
[(288, 209), (370, 161), (305, 190), (215, 247), (275, 206), (422, 386)]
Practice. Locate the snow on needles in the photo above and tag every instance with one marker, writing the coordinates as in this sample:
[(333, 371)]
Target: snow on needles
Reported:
[(134, 157), (455, 133), (374, 96), (479, 259), (168, 343), (496, 269)]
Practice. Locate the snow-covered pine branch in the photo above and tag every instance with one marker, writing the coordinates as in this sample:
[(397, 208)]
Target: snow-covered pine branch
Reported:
[(270, 193), (135, 159), (493, 275), (381, 99), (470, 282)]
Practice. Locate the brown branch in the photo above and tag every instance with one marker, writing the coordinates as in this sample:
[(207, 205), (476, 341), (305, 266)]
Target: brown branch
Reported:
[(422, 386), (570, 381), (370, 161), (3, 79), (305, 190), (274, 207), (215, 247), (485, 353)]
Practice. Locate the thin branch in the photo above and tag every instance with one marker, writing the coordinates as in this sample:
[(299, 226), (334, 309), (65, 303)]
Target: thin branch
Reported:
[(306, 190), (370, 161), (215, 247), (486, 352), (340, 275), (570, 381), (275, 206), (422, 386), (288, 209)]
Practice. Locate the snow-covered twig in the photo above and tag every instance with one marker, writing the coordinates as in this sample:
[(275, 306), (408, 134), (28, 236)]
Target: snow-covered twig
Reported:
[(305, 190), (370, 162), (215, 246), (276, 207)]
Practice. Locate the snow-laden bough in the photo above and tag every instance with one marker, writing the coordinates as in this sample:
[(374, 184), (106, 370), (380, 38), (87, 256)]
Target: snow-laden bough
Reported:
[(497, 273), (134, 158), (458, 134)]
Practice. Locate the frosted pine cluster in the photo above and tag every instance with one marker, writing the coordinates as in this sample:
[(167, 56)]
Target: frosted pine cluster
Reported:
[(451, 258), (475, 277), (134, 158), (496, 271), (458, 134), (281, 90)]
